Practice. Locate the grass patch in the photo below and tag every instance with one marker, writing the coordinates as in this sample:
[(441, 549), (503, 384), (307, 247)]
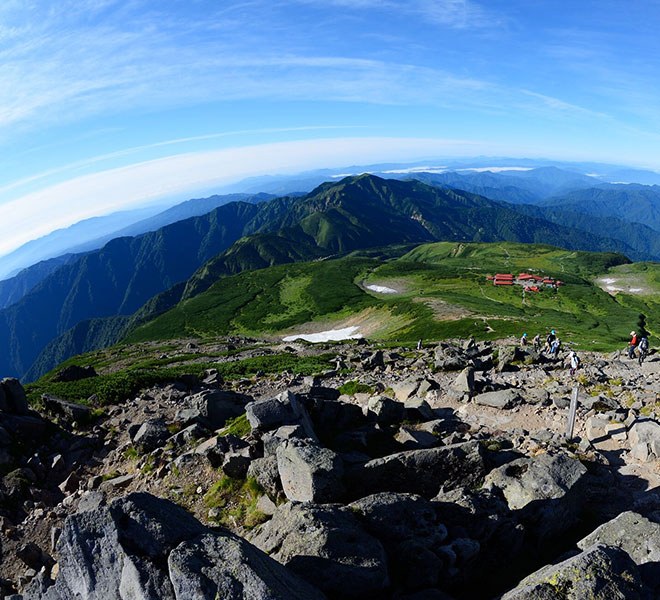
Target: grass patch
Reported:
[(239, 426), (131, 453), (237, 500), (350, 388)]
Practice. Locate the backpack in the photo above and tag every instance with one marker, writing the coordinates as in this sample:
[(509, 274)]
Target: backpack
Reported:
[(644, 344)]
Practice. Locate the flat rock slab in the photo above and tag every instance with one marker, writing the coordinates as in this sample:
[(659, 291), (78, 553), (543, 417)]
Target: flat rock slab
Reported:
[(422, 472), (499, 399)]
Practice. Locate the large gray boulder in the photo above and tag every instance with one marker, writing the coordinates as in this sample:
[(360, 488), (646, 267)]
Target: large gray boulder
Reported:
[(69, 411), (284, 409), (385, 410), (213, 407), (394, 517), (145, 547), (637, 536), (118, 551), (499, 399), (309, 472), (464, 382), (405, 389), (644, 437), (547, 491), (264, 472), (13, 399), (222, 565), (151, 435), (327, 546), (422, 472), (598, 573)]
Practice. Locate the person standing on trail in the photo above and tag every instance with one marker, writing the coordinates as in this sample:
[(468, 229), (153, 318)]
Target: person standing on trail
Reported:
[(632, 345), (419, 344), (575, 362), (554, 348), (537, 342), (550, 340), (523, 339), (643, 349)]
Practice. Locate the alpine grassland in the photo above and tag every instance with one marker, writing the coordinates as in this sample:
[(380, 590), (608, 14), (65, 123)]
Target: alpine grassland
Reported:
[(436, 291)]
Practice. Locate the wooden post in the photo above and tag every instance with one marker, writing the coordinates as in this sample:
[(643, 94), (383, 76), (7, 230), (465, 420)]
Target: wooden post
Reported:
[(571, 413)]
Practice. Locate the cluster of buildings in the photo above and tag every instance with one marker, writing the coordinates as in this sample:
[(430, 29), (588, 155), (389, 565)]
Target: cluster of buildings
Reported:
[(532, 283)]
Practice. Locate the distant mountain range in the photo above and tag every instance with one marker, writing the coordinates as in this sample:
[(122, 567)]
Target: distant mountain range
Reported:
[(92, 234), (333, 220)]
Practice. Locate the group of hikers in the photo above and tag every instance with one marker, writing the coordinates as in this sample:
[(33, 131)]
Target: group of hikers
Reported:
[(641, 344), (553, 346), (552, 343)]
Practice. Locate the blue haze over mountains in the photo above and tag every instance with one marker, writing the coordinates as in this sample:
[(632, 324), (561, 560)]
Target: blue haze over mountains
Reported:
[(84, 297)]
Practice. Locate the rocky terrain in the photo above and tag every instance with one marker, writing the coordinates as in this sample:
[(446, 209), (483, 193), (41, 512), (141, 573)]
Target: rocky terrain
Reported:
[(433, 474)]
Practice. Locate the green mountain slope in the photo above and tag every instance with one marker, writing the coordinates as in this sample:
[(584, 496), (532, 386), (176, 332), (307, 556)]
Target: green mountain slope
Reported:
[(336, 218), (631, 202), (364, 211), (117, 279), (441, 291)]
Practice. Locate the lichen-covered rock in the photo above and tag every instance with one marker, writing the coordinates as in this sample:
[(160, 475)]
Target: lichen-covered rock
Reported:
[(598, 573), (327, 546), (637, 536)]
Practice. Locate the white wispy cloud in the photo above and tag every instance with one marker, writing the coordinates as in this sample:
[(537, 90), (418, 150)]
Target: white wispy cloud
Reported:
[(559, 106), (38, 213), (450, 13), (80, 59)]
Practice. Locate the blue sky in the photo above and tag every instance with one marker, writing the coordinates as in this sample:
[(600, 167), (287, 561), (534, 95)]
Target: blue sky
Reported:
[(107, 104)]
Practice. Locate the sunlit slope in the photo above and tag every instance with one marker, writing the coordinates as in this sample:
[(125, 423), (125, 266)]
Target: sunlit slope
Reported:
[(434, 291)]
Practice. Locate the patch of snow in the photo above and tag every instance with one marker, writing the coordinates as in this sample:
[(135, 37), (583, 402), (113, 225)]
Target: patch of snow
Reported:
[(635, 289), (608, 280), (614, 289), (381, 289), (332, 335)]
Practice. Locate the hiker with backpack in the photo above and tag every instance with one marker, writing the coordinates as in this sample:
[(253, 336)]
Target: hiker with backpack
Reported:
[(643, 349), (632, 344), (575, 362), (537, 342), (549, 340), (554, 348), (523, 339)]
